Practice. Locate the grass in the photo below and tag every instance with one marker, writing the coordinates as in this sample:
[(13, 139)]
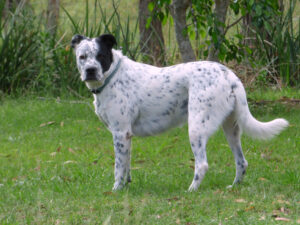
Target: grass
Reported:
[(56, 167)]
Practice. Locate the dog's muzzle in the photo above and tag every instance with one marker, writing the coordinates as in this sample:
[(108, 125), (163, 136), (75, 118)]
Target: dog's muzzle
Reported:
[(90, 74)]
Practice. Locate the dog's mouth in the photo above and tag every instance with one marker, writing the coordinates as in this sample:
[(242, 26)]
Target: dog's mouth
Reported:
[(92, 84), (90, 78)]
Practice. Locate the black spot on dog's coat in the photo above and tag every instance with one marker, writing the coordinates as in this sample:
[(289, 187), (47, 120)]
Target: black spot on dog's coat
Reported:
[(104, 55)]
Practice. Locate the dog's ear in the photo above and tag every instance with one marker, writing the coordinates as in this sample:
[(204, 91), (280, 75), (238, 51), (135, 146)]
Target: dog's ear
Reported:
[(108, 40), (76, 39)]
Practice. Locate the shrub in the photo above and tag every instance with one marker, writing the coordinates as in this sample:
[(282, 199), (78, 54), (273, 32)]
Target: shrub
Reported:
[(33, 60), (279, 46), (20, 61)]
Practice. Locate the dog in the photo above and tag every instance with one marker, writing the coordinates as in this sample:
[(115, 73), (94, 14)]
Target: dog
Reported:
[(136, 99)]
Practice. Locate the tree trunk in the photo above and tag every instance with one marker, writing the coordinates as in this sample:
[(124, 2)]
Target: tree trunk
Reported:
[(178, 11), (248, 32), (281, 5), (52, 16), (151, 39), (221, 7)]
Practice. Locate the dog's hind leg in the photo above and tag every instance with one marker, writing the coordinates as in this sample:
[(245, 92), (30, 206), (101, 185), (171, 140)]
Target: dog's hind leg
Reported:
[(202, 124), (233, 136), (198, 144), (206, 113), (122, 146)]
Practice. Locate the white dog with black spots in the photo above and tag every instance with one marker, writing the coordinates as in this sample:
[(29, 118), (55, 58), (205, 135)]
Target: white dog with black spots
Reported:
[(136, 99)]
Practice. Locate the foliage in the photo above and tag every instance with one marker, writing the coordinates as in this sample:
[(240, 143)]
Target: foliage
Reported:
[(278, 46), (124, 32), (31, 59), (280, 43), (20, 62), (93, 26), (276, 40), (206, 23), (203, 25)]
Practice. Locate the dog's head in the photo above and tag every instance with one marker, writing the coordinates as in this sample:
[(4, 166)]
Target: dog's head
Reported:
[(93, 56)]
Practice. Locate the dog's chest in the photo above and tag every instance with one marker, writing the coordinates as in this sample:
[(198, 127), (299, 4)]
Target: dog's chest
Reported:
[(100, 111)]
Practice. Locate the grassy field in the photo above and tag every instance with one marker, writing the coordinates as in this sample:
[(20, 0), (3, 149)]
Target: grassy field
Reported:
[(56, 167)]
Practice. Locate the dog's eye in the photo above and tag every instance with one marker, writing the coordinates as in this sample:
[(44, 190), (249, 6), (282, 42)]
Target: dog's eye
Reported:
[(82, 57)]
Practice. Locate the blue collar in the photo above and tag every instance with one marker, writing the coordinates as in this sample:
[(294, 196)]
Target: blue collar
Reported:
[(100, 89)]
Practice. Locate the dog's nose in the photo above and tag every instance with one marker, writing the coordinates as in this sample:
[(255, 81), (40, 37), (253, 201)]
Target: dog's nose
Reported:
[(91, 70), (91, 73)]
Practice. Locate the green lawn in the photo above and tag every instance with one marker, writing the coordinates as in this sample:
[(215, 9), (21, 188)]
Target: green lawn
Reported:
[(56, 167)]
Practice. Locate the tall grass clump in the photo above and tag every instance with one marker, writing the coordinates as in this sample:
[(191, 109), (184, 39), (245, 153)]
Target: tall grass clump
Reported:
[(27, 53), (19, 41), (279, 46), (33, 60), (125, 30), (94, 23)]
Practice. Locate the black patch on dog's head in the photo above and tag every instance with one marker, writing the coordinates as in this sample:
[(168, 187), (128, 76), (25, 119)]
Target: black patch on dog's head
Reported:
[(104, 55), (76, 39)]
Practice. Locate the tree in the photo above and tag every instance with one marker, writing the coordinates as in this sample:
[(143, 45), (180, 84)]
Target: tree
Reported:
[(52, 16), (194, 18), (220, 13), (178, 12), (151, 35)]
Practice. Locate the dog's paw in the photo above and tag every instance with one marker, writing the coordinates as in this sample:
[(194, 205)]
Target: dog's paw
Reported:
[(193, 187), (117, 186)]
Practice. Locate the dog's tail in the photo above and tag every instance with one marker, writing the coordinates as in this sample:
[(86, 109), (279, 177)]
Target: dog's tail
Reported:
[(251, 126)]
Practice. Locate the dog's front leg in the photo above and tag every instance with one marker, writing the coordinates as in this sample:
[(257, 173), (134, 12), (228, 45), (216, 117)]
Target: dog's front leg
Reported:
[(122, 147)]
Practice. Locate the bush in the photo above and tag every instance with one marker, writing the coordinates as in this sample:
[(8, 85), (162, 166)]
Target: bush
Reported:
[(33, 60), (20, 60), (279, 46)]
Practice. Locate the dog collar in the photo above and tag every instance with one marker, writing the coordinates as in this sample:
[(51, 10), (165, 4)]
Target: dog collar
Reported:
[(100, 89)]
